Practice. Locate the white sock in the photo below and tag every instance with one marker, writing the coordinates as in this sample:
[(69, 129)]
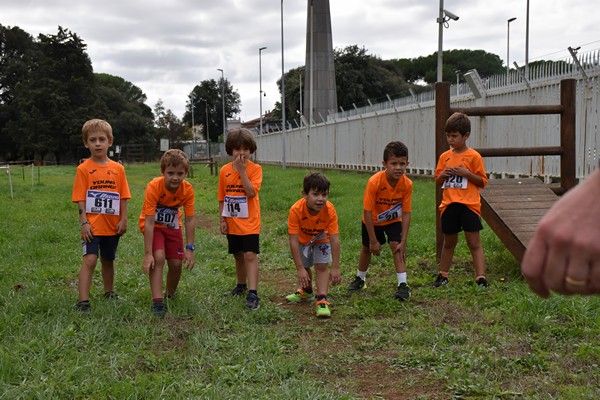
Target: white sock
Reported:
[(362, 275), (401, 277)]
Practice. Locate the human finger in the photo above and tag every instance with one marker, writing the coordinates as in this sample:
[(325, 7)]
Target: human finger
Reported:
[(555, 267), (532, 266)]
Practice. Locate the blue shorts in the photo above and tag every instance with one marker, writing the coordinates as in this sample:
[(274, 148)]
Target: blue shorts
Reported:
[(105, 245), (393, 232), (316, 253), (243, 243), (457, 217)]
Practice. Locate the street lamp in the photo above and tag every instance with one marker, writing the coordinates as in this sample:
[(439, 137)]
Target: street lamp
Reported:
[(527, 42), (260, 92), (206, 125), (223, 104), (282, 94), (193, 134), (442, 20), (508, 46)]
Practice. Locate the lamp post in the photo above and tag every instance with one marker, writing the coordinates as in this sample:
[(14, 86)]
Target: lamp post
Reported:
[(206, 125), (282, 94), (260, 92), (508, 46), (443, 18), (223, 104), (193, 134), (527, 42)]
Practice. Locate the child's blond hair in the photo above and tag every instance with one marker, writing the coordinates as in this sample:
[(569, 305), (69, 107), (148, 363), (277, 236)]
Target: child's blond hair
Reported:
[(174, 158), (94, 125)]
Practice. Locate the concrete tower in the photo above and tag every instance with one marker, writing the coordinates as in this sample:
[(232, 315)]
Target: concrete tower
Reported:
[(320, 96)]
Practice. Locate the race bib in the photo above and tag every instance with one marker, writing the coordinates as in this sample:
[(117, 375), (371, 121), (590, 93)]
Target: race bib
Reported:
[(391, 214), (99, 202), (455, 182), (235, 207), (167, 216)]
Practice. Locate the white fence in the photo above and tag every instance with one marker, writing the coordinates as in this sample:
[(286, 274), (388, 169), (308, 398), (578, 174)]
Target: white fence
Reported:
[(355, 139)]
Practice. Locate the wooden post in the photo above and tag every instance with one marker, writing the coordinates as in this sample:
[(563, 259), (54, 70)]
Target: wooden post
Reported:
[(442, 112), (568, 99)]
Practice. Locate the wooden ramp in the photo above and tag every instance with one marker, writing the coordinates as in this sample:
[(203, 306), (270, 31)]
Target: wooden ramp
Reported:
[(513, 207)]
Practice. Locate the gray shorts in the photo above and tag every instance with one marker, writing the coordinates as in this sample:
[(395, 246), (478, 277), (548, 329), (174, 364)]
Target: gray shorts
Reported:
[(318, 253)]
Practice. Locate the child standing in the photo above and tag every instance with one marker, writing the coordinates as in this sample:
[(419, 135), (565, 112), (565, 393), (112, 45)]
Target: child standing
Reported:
[(461, 173), (101, 192), (239, 208), (387, 204), (160, 223), (314, 240)]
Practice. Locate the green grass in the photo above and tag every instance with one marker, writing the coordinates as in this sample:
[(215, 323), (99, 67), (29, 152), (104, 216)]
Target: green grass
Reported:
[(461, 341)]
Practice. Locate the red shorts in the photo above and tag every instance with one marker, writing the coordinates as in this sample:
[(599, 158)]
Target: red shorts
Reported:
[(169, 240)]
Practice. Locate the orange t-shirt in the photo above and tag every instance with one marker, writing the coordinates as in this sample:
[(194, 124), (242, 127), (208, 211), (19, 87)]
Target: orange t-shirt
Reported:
[(243, 214), (385, 202), (309, 227), (457, 189), (102, 187), (165, 206)]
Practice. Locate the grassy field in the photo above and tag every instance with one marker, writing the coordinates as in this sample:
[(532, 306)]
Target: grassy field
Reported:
[(460, 341)]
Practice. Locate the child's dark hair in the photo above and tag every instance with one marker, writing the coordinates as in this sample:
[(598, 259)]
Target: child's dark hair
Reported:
[(174, 158), (238, 138), (316, 181), (396, 149), (458, 122)]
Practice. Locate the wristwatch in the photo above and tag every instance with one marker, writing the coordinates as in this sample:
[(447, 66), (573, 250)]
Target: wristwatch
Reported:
[(191, 247)]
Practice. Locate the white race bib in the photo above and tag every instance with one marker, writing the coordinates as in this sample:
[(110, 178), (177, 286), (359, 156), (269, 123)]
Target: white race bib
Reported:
[(235, 207), (99, 202), (455, 182), (391, 214), (167, 216)]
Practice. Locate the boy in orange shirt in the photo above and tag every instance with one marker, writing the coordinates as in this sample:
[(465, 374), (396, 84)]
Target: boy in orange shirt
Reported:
[(461, 174), (314, 240), (160, 222), (239, 210), (387, 204), (101, 192)]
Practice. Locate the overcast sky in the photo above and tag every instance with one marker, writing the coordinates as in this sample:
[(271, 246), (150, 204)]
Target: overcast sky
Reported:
[(167, 47)]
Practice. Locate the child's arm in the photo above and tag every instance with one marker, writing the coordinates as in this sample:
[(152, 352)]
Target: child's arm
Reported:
[(336, 277), (374, 245), (475, 179), (446, 172), (87, 233), (148, 261), (405, 227), (302, 274), (222, 220), (190, 236), (240, 164), (122, 225)]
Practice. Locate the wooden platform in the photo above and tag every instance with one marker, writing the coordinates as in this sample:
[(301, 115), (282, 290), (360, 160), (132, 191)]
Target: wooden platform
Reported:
[(513, 207)]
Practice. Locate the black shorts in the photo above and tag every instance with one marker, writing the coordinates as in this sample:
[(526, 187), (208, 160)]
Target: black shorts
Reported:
[(393, 232), (106, 246), (243, 243), (457, 217)]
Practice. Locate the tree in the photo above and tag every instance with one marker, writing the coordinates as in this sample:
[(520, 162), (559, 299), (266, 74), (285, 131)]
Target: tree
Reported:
[(208, 94), (168, 125)]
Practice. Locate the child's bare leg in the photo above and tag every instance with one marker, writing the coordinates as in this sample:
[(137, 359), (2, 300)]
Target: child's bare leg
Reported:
[(450, 241), (399, 262), (322, 279), (474, 243), (240, 268), (108, 274), (251, 269), (173, 275), (156, 274), (85, 276), (364, 259)]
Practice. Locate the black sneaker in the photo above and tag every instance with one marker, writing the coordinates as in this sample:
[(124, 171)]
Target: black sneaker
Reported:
[(403, 292), (440, 281), (357, 284), (482, 282), (252, 301), (238, 290), (158, 309), (112, 296), (83, 306)]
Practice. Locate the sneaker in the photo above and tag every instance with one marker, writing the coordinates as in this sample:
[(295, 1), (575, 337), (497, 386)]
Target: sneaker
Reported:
[(112, 296), (83, 306), (299, 296), (158, 309), (482, 282), (323, 310), (440, 281), (403, 292), (252, 301), (170, 297), (357, 284), (238, 290)]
